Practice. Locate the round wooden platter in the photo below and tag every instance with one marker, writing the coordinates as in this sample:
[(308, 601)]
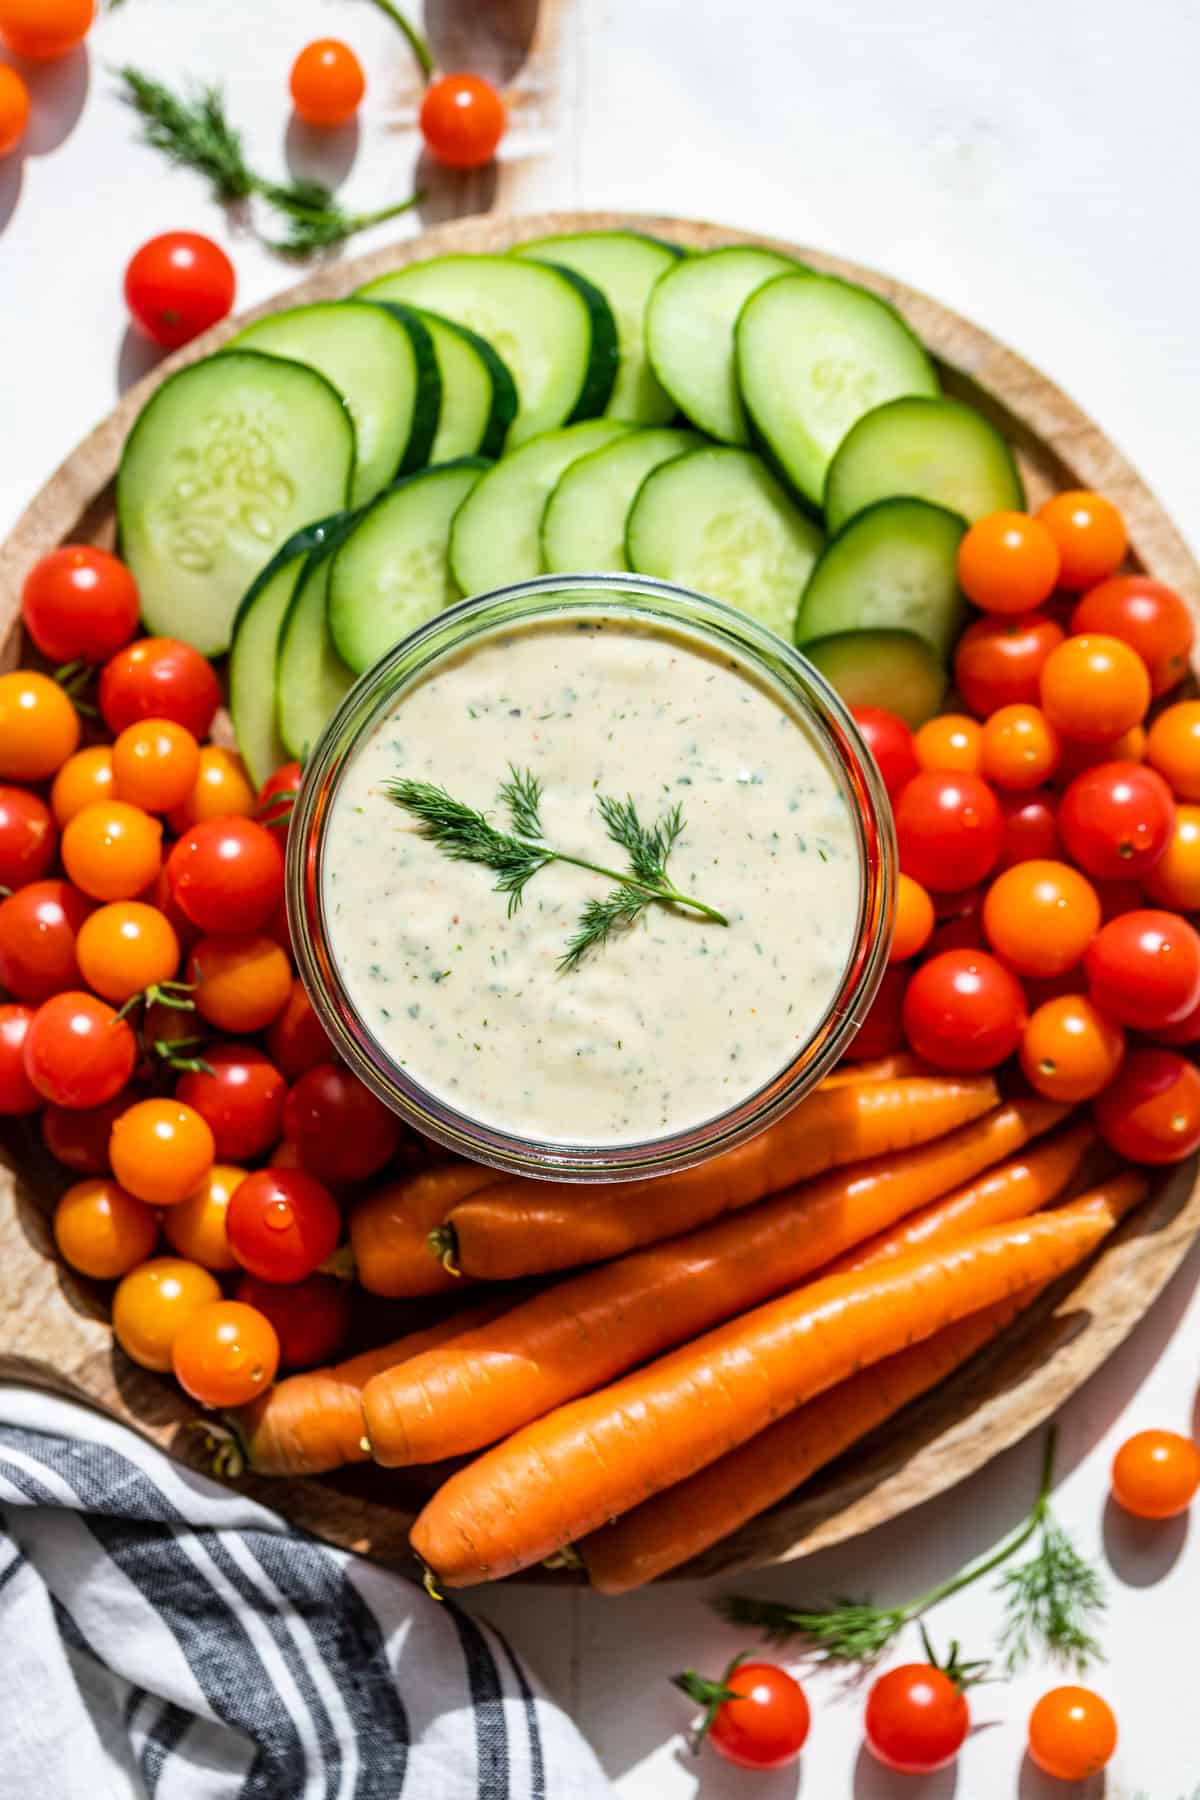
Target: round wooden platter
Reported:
[(54, 1329)]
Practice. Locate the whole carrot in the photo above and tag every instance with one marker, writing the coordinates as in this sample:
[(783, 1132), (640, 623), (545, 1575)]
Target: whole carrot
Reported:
[(389, 1229), (520, 1227), (588, 1330), (310, 1423), (1012, 1191), (566, 1475)]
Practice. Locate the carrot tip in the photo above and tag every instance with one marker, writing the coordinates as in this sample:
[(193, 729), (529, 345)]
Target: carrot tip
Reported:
[(429, 1583), (364, 1444), (224, 1447), (566, 1558), (444, 1245)]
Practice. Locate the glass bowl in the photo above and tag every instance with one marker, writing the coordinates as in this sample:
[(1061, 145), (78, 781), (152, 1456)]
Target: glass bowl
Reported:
[(778, 667)]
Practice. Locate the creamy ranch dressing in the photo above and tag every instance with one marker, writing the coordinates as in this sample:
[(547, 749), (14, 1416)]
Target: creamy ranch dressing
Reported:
[(673, 1021)]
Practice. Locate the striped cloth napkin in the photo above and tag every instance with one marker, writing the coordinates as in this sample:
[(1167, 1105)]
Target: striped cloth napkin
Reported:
[(166, 1639)]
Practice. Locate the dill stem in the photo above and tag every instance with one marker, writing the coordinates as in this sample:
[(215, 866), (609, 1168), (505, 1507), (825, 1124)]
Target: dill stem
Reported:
[(623, 878), (416, 43)]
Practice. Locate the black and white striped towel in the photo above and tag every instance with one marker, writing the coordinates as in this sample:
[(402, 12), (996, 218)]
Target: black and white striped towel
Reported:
[(164, 1639)]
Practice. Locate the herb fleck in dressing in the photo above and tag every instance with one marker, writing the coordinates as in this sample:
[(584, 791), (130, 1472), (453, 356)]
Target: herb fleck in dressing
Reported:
[(679, 1018)]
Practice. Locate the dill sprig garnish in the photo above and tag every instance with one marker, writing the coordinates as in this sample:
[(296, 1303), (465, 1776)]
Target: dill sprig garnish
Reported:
[(193, 131), (416, 42), (1051, 1600), (515, 856)]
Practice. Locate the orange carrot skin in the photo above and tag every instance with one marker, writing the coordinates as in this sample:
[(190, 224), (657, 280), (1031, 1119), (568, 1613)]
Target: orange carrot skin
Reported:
[(566, 1475), (521, 1227), (900, 1065), (389, 1229), (312, 1422), (683, 1521), (590, 1329), (1012, 1191)]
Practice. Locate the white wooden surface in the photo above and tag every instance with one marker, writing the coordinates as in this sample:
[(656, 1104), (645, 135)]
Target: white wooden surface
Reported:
[(1031, 162)]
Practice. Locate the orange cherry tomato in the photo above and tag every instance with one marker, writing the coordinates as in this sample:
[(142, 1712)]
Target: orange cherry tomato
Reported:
[(1175, 878), (914, 920), (161, 1150), (152, 1303), (39, 727), (14, 109), (196, 1227), (1155, 1474), (222, 790), (1008, 563), (111, 850), (41, 29), (327, 83), (462, 121), (1089, 534), (102, 1231), (124, 948), (226, 1353), (83, 779), (1019, 748), (1094, 687), (1173, 748), (241, 983), (155, 764), (952, 741), (1069, 1050), (1072, 1733), (1041, 916)]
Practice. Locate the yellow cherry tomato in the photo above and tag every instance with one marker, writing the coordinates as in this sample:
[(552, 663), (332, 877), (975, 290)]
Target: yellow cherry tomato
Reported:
[(221, 790), (196, 1227), (161, 1150), (39, 727), (155, 764), (103, 1231), (241, 983), (124, 948), (83, 779), (153, 1302), (111, 850)]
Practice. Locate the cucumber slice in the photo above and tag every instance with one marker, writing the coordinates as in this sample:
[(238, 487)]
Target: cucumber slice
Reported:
[(226, 460), (937, 450), (311, 680), (393, 571), (479, 396), (813, 355), (583, 526), (624, 265), (494, 540), (384, 368), (690, 318), (882, 668), (552, 328), (892, 568), (255, 645), (718, 521)]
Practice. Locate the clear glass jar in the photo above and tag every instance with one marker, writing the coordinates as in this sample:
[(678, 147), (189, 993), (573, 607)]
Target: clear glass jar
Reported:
[(778, 667)]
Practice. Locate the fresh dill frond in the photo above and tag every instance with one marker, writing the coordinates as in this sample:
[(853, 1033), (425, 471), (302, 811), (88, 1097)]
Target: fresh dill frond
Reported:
[(465, 835), (847, 1631), (416, 42), (598, 921), (1052, 1601), (319, 228), (522, 794), (647, 849)]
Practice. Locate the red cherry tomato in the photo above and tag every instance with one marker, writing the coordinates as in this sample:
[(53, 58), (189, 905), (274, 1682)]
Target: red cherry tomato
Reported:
[(1143, 969), (1091, 538), (44, 29), (327, 83), (964, 1011), (1184, 1031), (766, 1724), (17, 1092), (297, 1040), (38, 927), (28, 837), (890, 742), (78, 1052), (79, 602), (159, 678), (226, 875), (1151, 1112), (277, 797), (882, 1031), (242, 1100), (282, 1224), (311, 1318), (1147, 615), (462, 121), (14, 109), (949, 830), (1116, 820), (177, 285), (78, 1137), (916, 1719), (343, 1132), (999, 660), (1030, 828)]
